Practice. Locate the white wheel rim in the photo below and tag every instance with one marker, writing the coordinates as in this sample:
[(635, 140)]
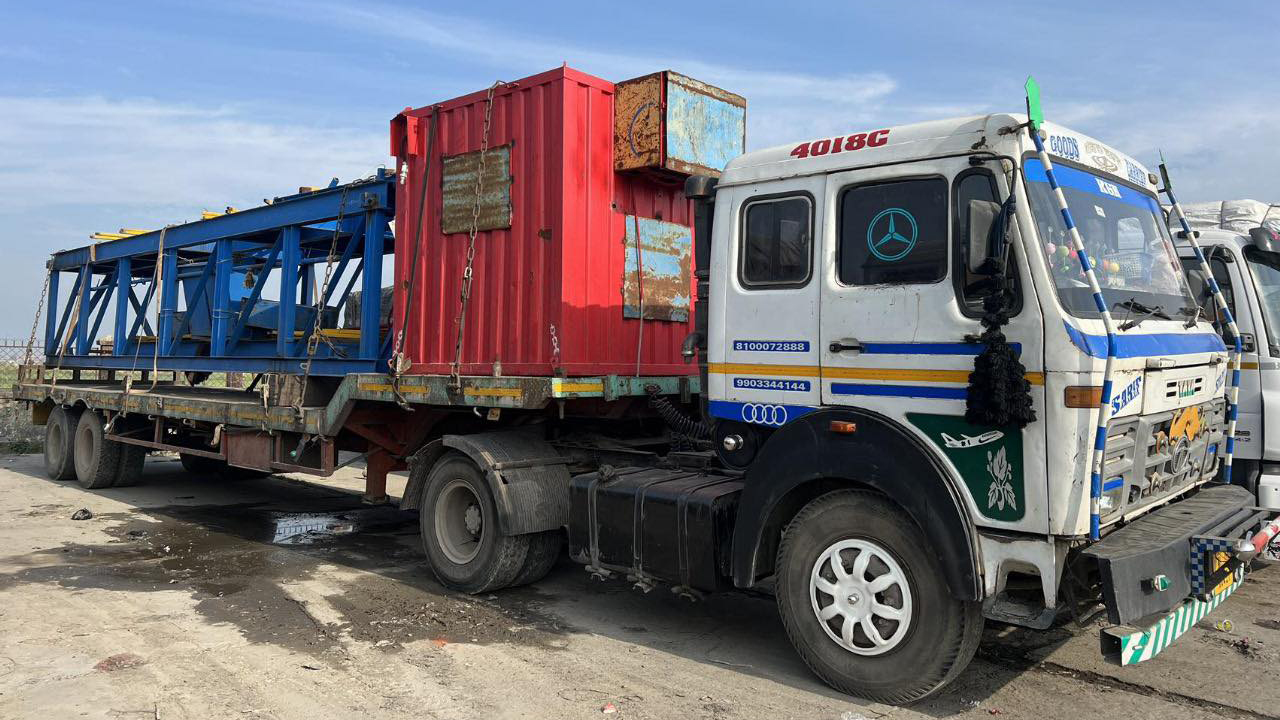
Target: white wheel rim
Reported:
[(861, 597), (459, 522)]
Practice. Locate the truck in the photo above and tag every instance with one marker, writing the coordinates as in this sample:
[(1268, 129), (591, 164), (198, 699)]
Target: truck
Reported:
[(874, 374), (1240, 241)]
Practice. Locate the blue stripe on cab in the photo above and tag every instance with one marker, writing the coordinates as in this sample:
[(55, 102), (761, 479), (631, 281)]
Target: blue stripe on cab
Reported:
[(1066, 176), (917, 391), (875, 348), (1152, 345)]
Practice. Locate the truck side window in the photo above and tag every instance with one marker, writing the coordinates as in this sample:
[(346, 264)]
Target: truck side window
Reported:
[(893, 232), (777, 242)]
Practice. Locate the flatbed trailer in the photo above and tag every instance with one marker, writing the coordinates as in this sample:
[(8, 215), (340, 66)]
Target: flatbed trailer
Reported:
[(269, 426)]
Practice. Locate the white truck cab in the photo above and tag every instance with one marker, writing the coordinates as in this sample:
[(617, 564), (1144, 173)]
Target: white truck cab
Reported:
[(848, 337), (1237, 238)]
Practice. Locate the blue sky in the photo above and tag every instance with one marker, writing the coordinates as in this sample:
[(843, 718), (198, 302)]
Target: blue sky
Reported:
[(139, 114)]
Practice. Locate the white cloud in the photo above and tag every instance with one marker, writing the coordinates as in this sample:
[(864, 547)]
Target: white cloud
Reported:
[(1215, 150), (60, 151), (70, 166), (781, 105)]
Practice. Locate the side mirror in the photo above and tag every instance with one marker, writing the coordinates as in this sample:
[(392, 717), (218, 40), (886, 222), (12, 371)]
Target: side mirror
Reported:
[(1263, 239), (982, 220)]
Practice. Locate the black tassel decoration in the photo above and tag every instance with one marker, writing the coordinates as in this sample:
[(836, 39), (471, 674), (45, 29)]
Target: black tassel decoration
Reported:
[(999, 393)]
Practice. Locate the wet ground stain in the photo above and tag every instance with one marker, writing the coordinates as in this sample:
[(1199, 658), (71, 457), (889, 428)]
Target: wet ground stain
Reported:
[(46, 510), (236, 561), (123, 661)]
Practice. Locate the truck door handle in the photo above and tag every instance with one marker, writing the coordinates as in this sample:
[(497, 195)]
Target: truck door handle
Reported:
[(845, 346)]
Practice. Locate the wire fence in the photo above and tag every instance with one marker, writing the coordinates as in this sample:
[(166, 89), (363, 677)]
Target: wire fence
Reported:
[(13, 352), (17, 434)]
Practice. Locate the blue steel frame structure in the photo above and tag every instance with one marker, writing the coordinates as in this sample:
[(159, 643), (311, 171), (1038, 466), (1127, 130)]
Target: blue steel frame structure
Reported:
[(286, 238)]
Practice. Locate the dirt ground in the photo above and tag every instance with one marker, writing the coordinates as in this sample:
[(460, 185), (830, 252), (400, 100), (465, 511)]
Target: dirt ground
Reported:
[(187, 598)]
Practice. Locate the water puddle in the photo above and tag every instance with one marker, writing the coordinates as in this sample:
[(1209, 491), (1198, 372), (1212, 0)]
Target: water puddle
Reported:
[(306, 528)]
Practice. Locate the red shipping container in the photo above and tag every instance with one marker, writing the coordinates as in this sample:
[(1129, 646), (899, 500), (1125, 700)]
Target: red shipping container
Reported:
[(549, 279)]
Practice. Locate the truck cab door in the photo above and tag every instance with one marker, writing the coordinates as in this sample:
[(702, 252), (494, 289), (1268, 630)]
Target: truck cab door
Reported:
[(764, 367), (1231, 271), (899, 311)]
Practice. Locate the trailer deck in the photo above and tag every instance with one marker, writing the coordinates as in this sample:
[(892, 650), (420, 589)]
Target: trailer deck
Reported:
[(251, 409)]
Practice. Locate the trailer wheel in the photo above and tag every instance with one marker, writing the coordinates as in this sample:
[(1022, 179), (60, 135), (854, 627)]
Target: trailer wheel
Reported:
[(132, 458), (459, 522), (97, 458), (864, 602), (59, 444), (545, 549)]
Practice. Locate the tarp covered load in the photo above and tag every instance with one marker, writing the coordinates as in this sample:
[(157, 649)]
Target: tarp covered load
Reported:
[(1239, 216)]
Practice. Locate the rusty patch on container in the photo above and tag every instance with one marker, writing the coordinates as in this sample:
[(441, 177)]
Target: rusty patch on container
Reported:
[(661, 287), (458, 181), (705, 126), (637, 123), (668, 121)]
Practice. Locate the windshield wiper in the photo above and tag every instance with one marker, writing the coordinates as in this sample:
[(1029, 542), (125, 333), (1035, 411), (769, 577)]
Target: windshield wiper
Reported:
[(1192, 313), (1143, 311)]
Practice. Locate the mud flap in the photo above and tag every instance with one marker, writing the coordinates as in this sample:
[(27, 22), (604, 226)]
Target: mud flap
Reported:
[(530, 480)]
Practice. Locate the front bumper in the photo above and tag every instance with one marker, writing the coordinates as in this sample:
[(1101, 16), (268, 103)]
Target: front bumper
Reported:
[(1163, 572)]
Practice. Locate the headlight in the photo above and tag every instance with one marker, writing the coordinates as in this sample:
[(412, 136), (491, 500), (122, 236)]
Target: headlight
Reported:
[(1111, 492)]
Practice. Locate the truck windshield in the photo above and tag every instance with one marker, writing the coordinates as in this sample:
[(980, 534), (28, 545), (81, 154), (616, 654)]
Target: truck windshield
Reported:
[(1123, 231), (1266, 277)]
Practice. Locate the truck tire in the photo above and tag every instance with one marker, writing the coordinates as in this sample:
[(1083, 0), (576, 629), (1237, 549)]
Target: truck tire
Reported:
[(545, 549), (459, 522), (132, 458), (97, 458), (59, 444), (894, 638)]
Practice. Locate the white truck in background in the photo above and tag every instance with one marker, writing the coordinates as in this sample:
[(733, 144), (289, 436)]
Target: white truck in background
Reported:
[(1241, 241)]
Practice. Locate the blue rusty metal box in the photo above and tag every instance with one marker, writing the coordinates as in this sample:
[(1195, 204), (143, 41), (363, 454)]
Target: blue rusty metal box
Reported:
[(672, 123)]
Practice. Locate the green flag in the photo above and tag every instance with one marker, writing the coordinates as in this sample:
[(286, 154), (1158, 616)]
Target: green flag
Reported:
[(1034, 111)]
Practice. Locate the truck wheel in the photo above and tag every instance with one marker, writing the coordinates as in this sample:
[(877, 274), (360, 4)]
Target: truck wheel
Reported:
[(545, 549), (132, 458), (59, 444), (459, 522), (97, 458), (864, 603)]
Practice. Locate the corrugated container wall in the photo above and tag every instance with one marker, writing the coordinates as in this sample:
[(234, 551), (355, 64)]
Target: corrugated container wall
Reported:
[(550, 294)]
